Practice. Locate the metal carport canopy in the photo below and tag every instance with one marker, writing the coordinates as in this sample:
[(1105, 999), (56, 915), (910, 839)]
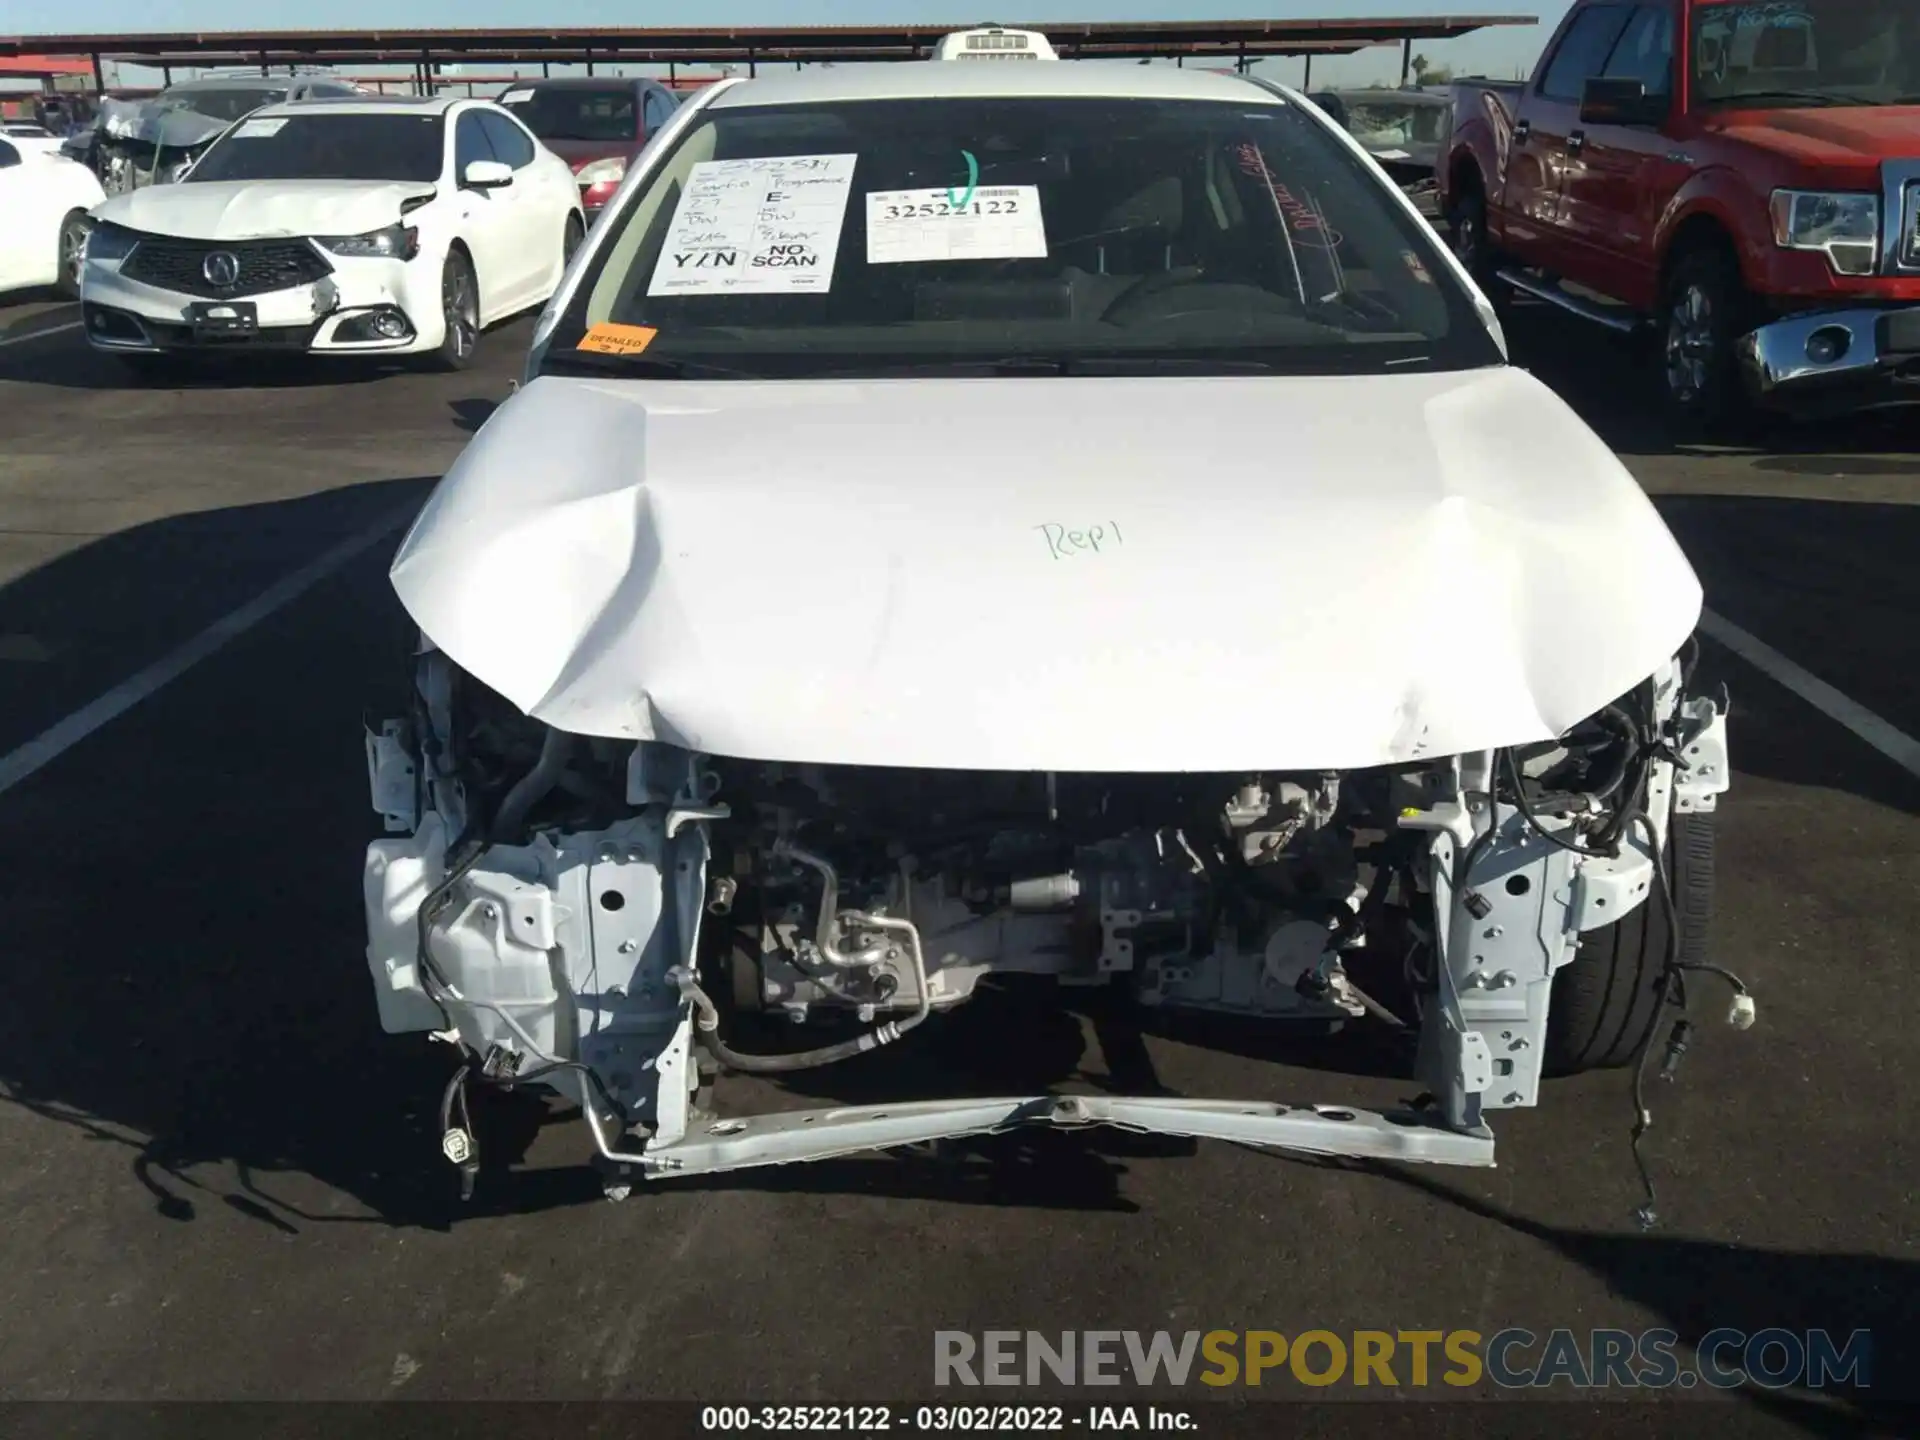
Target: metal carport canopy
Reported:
[(772, 43)]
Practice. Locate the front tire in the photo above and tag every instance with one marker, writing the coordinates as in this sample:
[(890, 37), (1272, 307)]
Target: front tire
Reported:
[(1705, 311), (460, 309), (1467, 220), (72, 253), (1606, 1000)]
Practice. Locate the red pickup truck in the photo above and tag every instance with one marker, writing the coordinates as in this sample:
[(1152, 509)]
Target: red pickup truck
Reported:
[(1755, 205)]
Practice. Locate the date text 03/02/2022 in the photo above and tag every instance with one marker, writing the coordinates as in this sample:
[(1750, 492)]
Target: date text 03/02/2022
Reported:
[(937, 1419)]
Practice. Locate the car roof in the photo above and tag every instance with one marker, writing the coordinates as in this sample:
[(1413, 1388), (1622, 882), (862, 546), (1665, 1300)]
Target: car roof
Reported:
[(956, 79), (241, 82), (584, 82), (375, 105)]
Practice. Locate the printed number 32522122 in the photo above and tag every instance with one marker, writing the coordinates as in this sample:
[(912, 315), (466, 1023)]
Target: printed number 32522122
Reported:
[(1063, 544), (942, 209)]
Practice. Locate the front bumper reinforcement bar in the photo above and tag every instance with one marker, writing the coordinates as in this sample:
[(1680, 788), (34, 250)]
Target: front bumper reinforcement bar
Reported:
[(713, 1145)]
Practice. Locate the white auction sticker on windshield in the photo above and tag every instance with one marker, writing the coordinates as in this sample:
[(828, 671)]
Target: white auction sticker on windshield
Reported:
[(998, 223), (260, 129), (514, 97), (768, 226)]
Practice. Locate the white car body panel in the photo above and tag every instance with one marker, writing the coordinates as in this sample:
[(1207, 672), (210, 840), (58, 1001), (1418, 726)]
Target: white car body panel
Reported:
[(514, 236), (1325, 572), (36, 196), (36, 144)]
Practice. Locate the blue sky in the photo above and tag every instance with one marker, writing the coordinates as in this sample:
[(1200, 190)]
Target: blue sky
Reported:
[(1497, 52)]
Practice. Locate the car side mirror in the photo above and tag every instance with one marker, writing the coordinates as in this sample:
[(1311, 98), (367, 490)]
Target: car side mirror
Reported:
[(486, 175), (1621, 102)]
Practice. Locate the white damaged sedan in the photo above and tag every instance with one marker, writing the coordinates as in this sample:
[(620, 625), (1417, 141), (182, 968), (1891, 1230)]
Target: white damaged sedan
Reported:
[(376, 225), (1065, 521)]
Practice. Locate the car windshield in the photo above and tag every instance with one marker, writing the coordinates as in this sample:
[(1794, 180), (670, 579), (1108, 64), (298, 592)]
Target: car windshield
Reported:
[(1807, 52), (1381, 124), (868, 236), (366, 146), (220, 102), (577, 113)]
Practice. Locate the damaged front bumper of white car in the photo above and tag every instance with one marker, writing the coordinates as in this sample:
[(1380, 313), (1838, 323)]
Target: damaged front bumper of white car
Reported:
[(583, 960)]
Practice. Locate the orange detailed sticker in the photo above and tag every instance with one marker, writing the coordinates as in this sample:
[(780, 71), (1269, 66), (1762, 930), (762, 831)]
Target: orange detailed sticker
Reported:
[(617, 339)]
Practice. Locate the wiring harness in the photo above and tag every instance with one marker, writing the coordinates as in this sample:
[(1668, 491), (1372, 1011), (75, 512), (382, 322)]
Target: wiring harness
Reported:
[(1601, 817)]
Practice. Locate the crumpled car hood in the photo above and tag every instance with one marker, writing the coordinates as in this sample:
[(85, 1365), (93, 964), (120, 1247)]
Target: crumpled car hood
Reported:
[(172, 126), (1154, 574), (258, 210)]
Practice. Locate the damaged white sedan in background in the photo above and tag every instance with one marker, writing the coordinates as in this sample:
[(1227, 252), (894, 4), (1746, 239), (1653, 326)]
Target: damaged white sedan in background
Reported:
[(1063, 520), (378, 225)]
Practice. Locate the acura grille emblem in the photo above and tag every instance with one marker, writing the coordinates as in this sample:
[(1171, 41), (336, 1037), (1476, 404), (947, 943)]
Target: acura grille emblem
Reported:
[(221, 269)]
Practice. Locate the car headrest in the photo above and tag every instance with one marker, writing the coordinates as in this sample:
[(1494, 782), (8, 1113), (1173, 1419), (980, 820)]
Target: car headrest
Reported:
[(1157, 207)]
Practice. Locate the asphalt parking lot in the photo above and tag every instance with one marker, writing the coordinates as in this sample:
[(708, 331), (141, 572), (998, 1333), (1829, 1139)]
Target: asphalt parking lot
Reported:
[(220, 1181)]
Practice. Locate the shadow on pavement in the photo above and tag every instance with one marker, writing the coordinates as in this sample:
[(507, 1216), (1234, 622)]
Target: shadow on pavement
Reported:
[(1832, 586), (469, 415), (1695, 1287), (67, 361), (184, 960)]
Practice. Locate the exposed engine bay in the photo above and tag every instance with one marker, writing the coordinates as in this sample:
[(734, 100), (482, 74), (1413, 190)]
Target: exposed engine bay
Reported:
[(136, 143), (584, 913)]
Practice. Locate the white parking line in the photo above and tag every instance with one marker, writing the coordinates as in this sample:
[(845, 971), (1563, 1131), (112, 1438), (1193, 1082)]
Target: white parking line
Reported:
[(1882, 735), (6, 340), (64, 735), (37, 335)]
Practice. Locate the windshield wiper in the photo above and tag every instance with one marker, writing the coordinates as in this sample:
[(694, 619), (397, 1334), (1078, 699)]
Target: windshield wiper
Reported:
[(640, 367), (1803, 97)]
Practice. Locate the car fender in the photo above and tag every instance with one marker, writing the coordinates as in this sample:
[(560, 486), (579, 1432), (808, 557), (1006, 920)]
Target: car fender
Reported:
[(439, 228), (1720, 194)]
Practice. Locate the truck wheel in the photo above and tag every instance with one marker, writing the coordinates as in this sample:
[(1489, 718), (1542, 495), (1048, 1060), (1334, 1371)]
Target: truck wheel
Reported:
[(1705, 311), (1604, 1000), (1467, 218)]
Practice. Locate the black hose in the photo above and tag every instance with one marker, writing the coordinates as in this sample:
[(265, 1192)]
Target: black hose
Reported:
[(707, 1028), (798, 1060), (533, 787), (1629, 750), (1526, 809), (1480, 841)]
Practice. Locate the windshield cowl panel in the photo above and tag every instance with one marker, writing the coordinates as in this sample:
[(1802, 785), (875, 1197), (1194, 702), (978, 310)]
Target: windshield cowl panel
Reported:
[(1049, 235)]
